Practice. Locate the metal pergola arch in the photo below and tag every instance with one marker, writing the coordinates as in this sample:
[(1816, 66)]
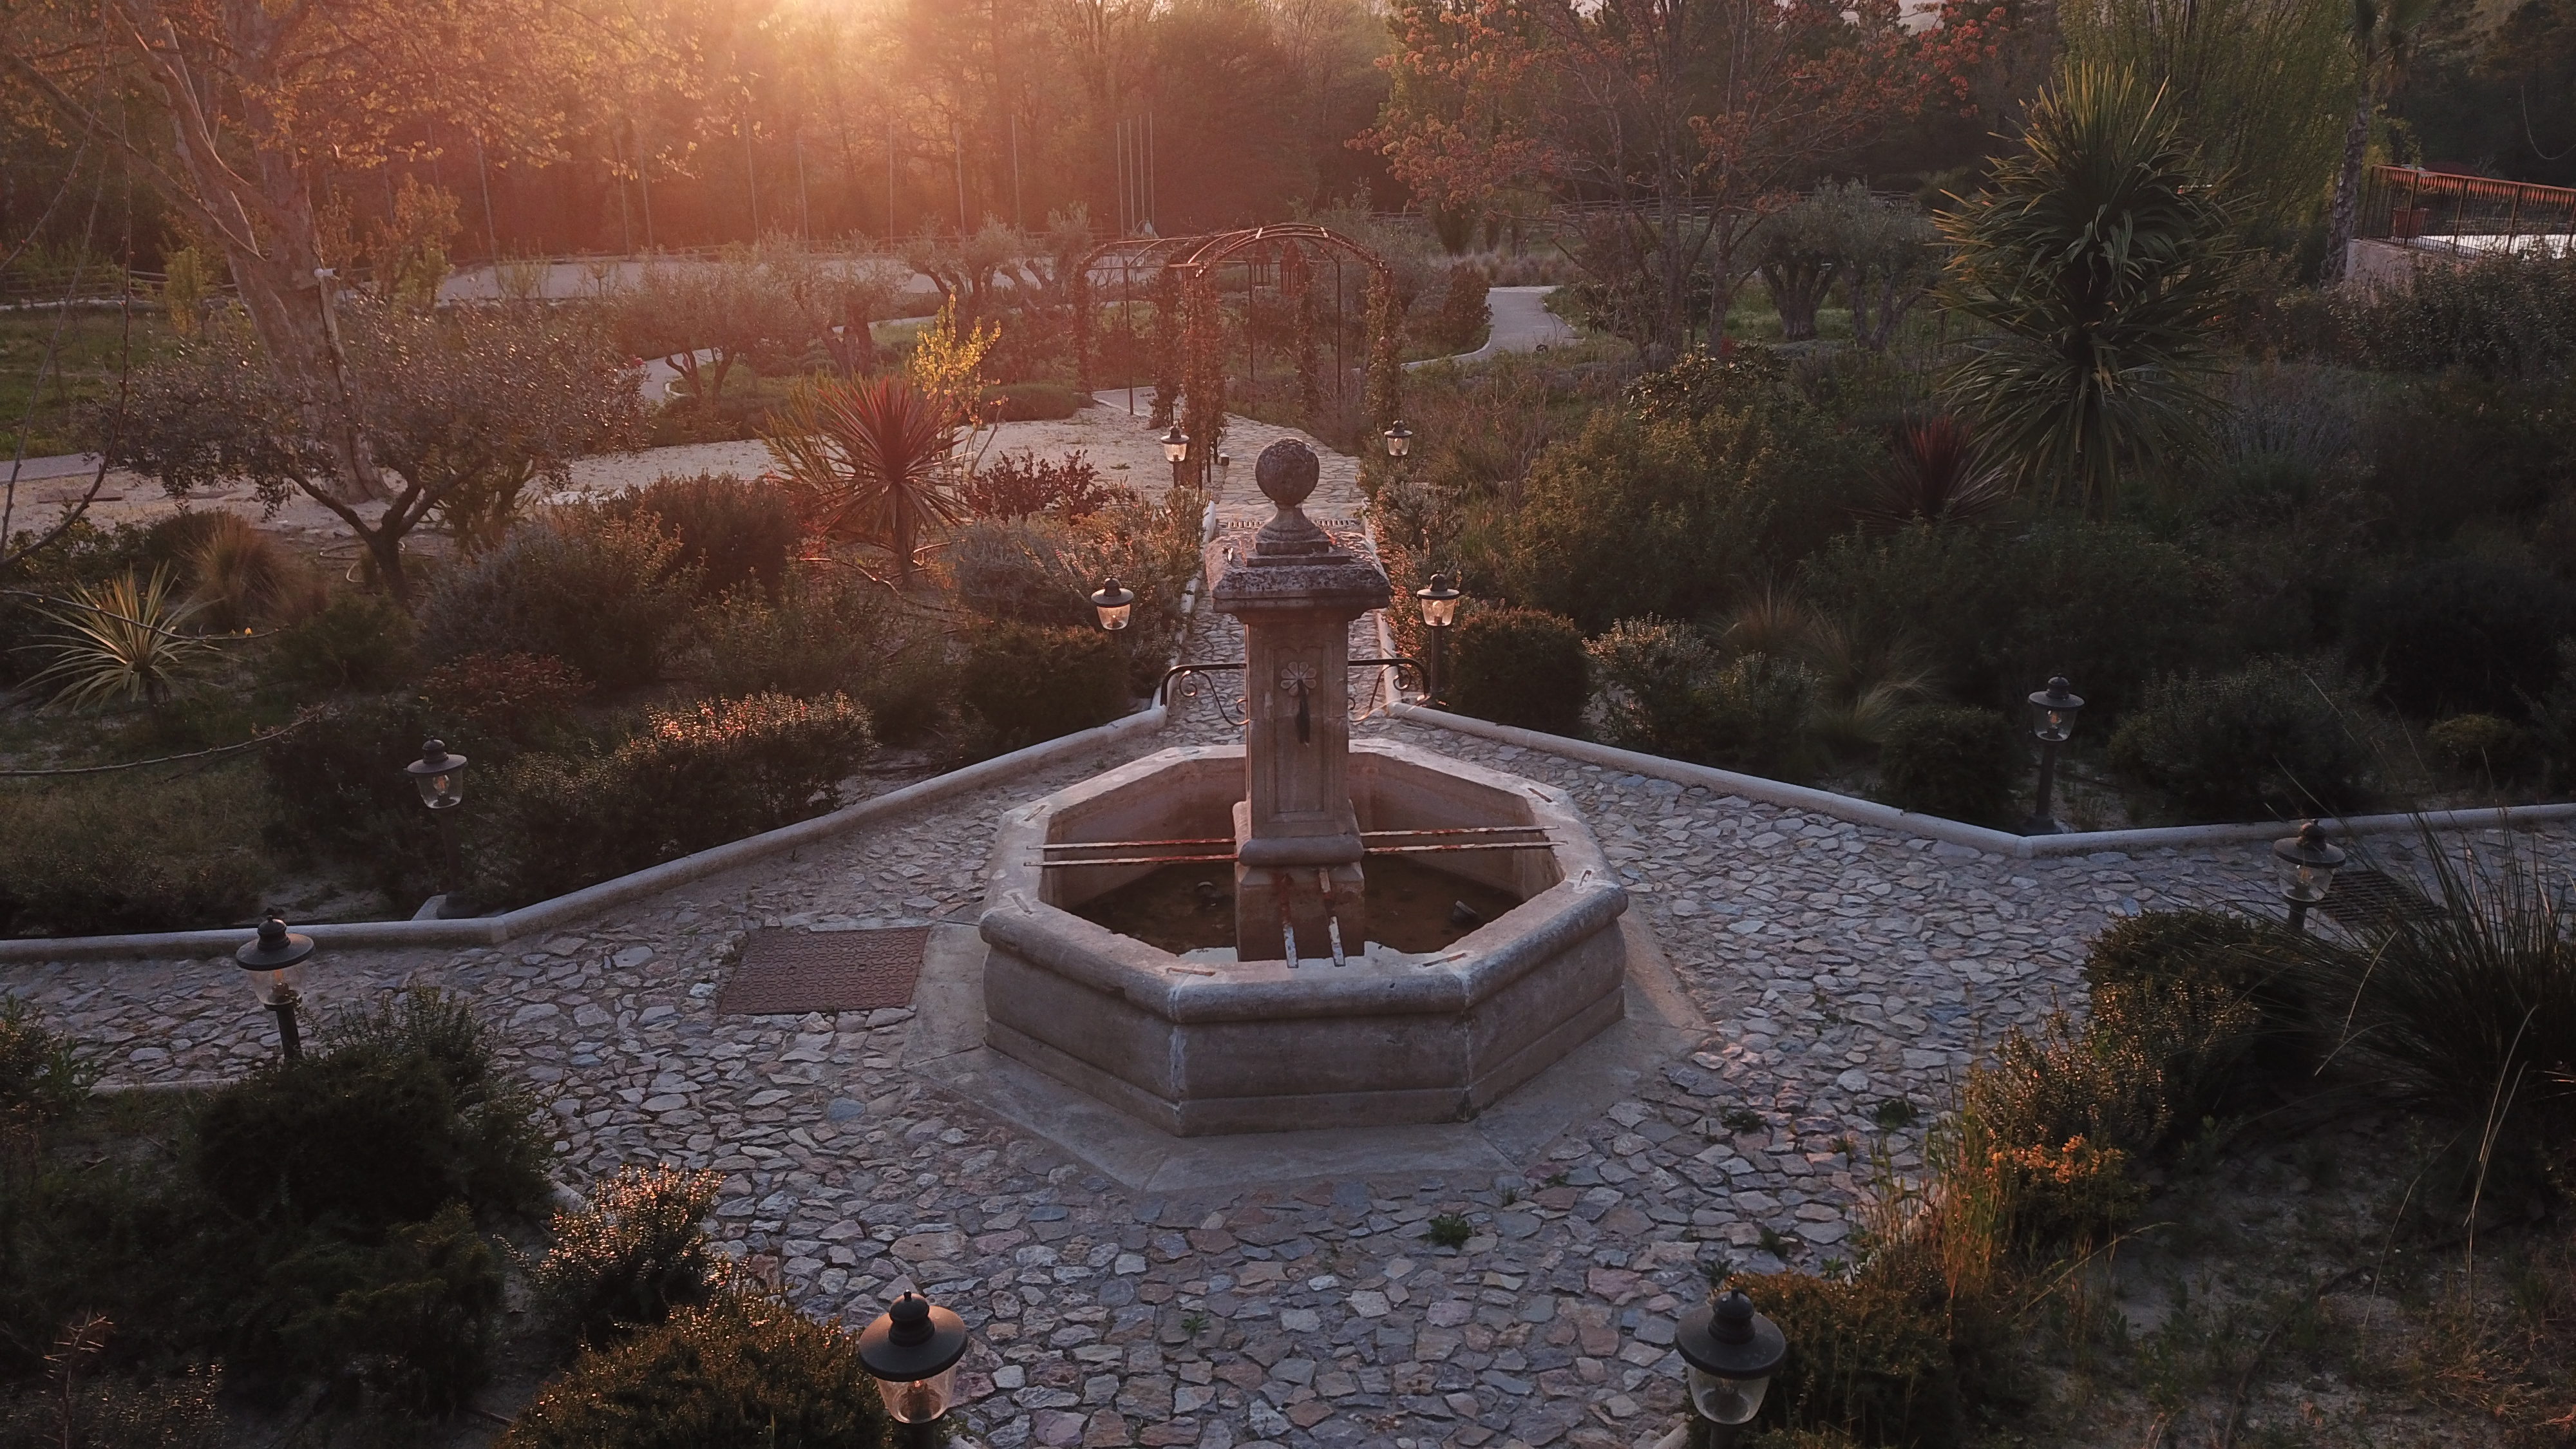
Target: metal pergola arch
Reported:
[(1128, 262)]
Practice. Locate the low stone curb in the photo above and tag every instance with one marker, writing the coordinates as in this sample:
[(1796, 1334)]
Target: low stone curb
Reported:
[(547, 914), (1976, 837)]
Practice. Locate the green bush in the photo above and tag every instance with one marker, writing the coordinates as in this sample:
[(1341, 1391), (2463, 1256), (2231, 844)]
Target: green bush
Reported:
[(358, 642), (1028, 571), (825, 634), (495, 705), (599, 592), (1954, 761), (740, 1370), (1665, 691), (633, 1251), (138, 851), (1032, 682), (1464, 312), (1029, 402), (404, 1325), (340, 791), (1522, 667), (1645, 677), (2105, 604), (736, 535), (689, 780), (1870, 1356), (1670, 516), (2480, 745), (2507, 315), (1041, 570), (2274, 738), (2455, 451), (42, 1075), (2257, 961), (403, 1115), (2460, 635)]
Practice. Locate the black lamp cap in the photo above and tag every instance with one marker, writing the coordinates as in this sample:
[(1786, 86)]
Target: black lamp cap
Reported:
[(1728, 1340), (435, 760), (2309, 848), (1439, 588), (2060, 695), (275, 946), (1112, 594), (912, 1340)]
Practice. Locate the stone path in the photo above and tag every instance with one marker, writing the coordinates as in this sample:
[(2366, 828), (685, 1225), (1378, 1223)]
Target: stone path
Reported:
[(1845, 967), (1522, 323)]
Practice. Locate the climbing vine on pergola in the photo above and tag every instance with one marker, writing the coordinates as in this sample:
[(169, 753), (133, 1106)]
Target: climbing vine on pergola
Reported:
[(1189, 280)]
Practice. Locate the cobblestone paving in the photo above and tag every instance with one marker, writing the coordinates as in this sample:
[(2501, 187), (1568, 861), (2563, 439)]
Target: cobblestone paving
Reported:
[(1845, 967)]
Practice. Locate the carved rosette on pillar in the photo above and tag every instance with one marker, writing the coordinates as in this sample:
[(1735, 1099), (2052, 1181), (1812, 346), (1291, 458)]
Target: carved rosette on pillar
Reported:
[(1298, 889)]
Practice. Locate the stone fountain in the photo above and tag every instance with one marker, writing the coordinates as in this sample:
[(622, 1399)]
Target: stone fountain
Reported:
[(1309, 1019)]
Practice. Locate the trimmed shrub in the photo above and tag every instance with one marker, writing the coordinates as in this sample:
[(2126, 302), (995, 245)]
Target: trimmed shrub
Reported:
[(1030, 402), (689, 780), (1032, 682), (2274, 738), (2480, 745), (1953, 761), (2255, 960), (2105, 604), (633, 1251), (520, 699), (2507, 315), (1667, 692), (736, 535), (1022, 485), (825, 633), (599, 592), (2460, 635), (1522, 667), (357, 642), (404, 1325), (1645, 673), (1027, 571), (741, 1370), (132, 852), (1464, 312), (404, 1115)]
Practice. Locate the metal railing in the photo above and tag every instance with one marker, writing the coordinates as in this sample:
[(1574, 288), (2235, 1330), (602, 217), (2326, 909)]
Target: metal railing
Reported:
[(2448, 211)]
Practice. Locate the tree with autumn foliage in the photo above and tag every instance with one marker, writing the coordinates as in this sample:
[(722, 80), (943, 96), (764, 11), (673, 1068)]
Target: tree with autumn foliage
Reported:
[(1686, 120)]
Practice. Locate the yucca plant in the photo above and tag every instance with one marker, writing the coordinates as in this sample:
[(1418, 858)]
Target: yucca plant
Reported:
[(125, 639), (2100, 260), (2467, 1012), (873, 462)]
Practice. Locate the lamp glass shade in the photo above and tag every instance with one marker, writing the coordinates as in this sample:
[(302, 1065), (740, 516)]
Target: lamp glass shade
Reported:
[(918, 1401), (1727, 1401), (1732, 1352), (912, 1351), (1399, 441), (1439, 600), (2307, 863), (439, 775), (1115, 604), (273, 961), (1176, 445), (2053, 711)]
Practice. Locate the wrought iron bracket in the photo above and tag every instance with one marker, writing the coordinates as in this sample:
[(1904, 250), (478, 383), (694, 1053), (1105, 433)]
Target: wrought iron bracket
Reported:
[(1192, 679)]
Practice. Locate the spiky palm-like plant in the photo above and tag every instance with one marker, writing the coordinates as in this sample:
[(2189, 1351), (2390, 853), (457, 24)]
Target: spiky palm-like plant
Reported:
[(1936, 474), (872, 460), (123, 639), (2101, 260)]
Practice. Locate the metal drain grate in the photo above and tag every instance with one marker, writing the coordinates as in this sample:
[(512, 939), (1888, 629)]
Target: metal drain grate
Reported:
[(788, 973), (2365, 898)]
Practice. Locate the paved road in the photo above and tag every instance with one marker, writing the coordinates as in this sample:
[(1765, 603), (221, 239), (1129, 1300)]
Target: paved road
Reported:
[(1522, 323)]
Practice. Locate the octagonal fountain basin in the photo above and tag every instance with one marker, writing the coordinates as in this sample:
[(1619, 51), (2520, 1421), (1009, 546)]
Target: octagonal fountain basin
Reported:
[(1199, 1043)]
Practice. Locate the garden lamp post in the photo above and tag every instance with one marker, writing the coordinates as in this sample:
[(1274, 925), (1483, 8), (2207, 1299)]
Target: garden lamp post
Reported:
[(440, 777), (1224, 465), (1399, 441), (2307, 862), (273, 963), (1439, 600), (1732, 1352), (2054, 709), (1176, 451), (912, 1351), (1114, 602)]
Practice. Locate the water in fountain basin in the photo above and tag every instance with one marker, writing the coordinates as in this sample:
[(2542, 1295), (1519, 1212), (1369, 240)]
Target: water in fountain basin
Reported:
[(1411, 906)]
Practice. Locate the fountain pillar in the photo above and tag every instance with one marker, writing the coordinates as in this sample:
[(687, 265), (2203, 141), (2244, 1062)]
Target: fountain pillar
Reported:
[(1297, 839)]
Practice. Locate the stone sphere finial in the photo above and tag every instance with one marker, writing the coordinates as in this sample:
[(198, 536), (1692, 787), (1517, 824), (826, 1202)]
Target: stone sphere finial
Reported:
[(1287, 472)]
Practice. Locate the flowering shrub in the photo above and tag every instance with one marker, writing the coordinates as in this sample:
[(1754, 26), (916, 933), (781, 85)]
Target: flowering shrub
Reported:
[(631, 1253)]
